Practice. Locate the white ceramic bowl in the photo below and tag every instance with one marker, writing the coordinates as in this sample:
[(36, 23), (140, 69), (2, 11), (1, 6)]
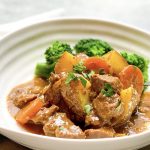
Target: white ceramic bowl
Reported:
[(22, 49)]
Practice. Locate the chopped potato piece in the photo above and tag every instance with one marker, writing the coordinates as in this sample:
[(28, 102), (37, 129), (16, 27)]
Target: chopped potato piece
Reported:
[(130, 99), (65, 63), (116, 61)]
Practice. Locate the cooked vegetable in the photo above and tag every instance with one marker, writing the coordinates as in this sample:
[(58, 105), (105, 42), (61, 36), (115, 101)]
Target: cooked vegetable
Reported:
[(44, 69), (71, 76), (132, 76), (65, 63), (55, 51), (97, 64), (130, 99), (92, 47), (29, 111), (139, 61), (88, 108), (79, 68), (52, 54), (107, 90), (116, 61), (76, 96)]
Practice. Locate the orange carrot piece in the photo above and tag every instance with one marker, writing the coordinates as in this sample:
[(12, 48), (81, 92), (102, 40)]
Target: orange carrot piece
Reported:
[(29, 111), (132, 76)]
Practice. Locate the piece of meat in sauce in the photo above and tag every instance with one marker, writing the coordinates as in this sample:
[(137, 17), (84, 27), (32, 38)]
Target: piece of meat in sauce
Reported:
[(27, 92), (73, 94), (108, 109), (93, 120), (53, 94), (98, 81), (103, 132), (60, 126), (73, 99), (42, 116)]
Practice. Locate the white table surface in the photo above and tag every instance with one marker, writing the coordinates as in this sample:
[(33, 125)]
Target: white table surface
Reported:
[(133, 12)]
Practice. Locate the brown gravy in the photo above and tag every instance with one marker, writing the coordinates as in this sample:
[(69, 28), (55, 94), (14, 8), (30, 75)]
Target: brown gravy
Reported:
[(38, 83), (139, 121)]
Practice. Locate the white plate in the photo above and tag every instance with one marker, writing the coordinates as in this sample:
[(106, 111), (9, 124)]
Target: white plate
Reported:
[(22, 49)]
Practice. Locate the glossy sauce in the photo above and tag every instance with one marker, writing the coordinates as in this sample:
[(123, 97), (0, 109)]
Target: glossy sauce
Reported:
[(38, 84)]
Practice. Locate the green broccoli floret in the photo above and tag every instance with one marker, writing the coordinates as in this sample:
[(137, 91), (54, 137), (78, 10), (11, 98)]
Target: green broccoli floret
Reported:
[(139, 61), (92, 47), (54, 52), (44, 69)]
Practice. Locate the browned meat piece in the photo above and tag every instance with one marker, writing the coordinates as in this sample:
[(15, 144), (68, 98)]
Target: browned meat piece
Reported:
[(98, 82), (43, 115), (93, 120), (65, 109), (72, 132), (60, 126), (53, 94), (108, 108), (104, 132), (55, 77), (27, 92), (72, 98), (56, 121)]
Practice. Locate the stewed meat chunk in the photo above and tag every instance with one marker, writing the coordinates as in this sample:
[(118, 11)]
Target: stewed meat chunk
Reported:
[(98, 81), (104, 132), (27, 92), (43, 115), (108, 108), (60, 125)]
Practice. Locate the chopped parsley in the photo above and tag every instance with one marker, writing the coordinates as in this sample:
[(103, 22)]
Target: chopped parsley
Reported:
[(107, 90), (118, 107), (83, 81), (79, 68), (88, 75), (87, 109), (61, 128), (71, 76)]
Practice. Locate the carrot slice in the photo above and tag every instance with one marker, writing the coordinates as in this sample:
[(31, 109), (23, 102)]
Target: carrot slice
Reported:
[(97, 63), (29, 111), (132, 76)]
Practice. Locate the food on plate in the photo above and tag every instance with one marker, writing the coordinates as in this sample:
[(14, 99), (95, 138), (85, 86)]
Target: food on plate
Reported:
[(87, 91)]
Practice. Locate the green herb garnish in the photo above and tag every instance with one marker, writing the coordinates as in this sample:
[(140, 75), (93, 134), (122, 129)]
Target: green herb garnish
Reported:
[(87, 109), (107, 90), (88, 75), (79, 68), (83, 81), (61, 128), (71, 76)]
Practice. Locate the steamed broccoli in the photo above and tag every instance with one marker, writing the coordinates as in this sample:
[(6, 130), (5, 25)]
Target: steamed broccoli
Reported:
[(53, 53), (138, 61), (44, 69), (92, 47)]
